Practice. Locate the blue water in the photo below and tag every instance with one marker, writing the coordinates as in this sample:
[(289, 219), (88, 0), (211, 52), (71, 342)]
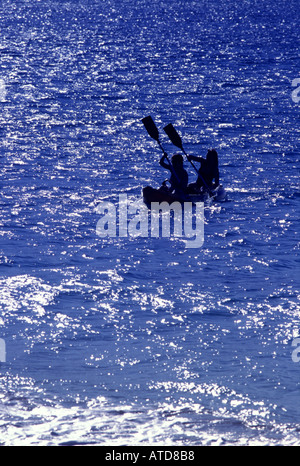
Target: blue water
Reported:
[(141, 341)]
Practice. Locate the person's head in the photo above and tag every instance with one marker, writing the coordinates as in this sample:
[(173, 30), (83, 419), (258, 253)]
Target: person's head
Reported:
[(212, 157), (177, 161)]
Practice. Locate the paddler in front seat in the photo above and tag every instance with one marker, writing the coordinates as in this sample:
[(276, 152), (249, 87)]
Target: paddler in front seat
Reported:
[(179, 176)]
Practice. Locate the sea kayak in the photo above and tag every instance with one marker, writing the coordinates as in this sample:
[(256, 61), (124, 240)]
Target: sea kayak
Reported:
[(160, 195)]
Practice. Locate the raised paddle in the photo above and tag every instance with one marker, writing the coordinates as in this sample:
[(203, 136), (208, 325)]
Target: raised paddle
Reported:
[(176, 140), (153, 132)]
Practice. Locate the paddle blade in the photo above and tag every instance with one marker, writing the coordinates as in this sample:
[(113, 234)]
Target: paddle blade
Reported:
[(173, 135), (151, 127)]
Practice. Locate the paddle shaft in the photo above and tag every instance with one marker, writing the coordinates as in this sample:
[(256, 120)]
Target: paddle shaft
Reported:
[(154, 134)]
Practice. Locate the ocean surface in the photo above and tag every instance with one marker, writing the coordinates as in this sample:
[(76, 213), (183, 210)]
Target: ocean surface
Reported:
[(141, 340)]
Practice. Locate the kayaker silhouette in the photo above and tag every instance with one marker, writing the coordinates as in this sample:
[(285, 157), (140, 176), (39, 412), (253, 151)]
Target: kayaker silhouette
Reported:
[(208, 172), (179, 176)]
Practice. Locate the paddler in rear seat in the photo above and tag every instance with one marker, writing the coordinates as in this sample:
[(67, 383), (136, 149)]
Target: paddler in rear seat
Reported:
[(208, 172), (179, 176)]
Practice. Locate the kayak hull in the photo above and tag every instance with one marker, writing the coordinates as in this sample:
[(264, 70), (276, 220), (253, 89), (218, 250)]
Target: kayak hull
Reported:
[(160, 195)]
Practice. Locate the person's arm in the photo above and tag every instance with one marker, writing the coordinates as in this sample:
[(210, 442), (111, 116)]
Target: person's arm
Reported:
[(185, 179), (163, 163)]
